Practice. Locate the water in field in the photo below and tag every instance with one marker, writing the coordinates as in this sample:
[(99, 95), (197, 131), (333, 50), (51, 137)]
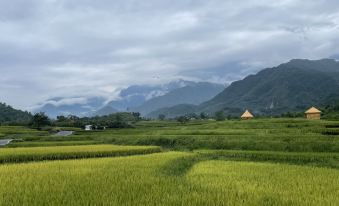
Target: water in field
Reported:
[(64, 133), (4, 142)]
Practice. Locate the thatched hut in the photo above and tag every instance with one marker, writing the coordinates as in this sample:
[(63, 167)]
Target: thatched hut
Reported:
[(247, 115), (313, 113)]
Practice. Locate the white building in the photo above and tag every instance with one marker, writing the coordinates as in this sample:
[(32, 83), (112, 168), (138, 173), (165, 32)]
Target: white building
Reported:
[(88, 127)]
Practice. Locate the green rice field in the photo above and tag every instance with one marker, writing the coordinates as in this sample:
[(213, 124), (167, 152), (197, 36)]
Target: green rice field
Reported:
[(142, 180), (25, 154), (259, 162), (292, 135)]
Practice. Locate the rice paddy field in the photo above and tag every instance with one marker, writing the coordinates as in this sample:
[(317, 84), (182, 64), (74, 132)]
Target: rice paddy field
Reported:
[(143, 180), (259, 162), (25, 154)]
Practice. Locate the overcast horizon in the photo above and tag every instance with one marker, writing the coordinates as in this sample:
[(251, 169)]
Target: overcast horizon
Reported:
[(64, 48)]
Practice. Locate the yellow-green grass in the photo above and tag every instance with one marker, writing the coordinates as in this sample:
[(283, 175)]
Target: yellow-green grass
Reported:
[(25, 154), (7, 130), (50, 143), (139, 180), (320, 159), (249, 183)]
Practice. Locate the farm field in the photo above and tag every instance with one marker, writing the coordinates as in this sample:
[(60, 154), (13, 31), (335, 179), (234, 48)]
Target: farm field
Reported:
[(25, 154), (259, 162), (145, 180), (298, 135)]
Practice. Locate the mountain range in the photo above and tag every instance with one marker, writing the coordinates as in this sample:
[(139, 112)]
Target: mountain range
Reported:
[(137, 98), (79, 106), (291, 86), (193, 93), (136, 95)]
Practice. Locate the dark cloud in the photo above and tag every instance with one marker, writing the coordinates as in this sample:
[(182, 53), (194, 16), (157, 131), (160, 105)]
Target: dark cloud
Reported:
[(74, 48)]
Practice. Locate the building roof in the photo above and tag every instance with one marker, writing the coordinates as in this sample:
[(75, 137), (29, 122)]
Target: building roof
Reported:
[(247, 114), (313, 110)]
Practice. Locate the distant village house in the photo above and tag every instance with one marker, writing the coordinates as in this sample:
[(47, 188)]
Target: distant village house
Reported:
[(247, 115), (94, 127), (88, 127), (313, 113)]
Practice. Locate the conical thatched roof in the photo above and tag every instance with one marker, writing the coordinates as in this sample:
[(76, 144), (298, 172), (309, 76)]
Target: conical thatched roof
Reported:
[(247, 114), (313, 110)]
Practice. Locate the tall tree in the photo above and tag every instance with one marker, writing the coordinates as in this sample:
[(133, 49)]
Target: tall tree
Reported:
[(220, 116), (40, 120)]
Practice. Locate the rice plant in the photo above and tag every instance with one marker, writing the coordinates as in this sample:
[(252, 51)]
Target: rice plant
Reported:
[(25, 154), (139, 180)]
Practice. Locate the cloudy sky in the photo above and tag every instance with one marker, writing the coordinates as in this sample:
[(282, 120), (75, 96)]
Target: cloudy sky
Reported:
[(73, 48)]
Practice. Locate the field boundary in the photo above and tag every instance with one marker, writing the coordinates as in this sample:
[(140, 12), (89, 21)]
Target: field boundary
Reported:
[(180, 166), (80, 152), (320, 159)]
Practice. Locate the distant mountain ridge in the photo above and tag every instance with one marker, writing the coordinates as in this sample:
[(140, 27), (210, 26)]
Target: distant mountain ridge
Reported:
[(175, 111), (299, 83), (194, 93), (292, 86), (106, 110), (128, 99), (135, 95), (79, 106), (9, 115)]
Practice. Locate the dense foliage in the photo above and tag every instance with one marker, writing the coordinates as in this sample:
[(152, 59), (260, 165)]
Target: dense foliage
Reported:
[(9, 115), (116, 120), (40, 120), (331, 111)]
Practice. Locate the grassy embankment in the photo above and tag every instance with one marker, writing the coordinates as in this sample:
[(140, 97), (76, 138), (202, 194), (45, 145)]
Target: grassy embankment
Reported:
[(26, 154)]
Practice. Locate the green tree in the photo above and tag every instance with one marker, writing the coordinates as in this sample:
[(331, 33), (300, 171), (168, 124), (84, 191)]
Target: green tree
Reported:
[(183, 119), (203, 115), (220, 116), (137, 116), (161, 117), (40, 120), (61, 118)]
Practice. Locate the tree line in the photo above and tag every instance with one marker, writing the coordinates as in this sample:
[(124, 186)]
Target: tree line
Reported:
[(116, 120)]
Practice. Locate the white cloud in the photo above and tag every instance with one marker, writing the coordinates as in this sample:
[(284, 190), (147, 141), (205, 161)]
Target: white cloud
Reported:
[(87, 48), (67, 101)]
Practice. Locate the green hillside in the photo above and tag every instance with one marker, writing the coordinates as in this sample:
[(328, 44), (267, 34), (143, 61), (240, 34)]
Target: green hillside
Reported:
[(289, 87), (175, 111), (192, 94), (10, 115)]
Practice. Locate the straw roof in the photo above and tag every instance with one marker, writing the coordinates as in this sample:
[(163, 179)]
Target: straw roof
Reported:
[(313, 110), (247, 114)]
